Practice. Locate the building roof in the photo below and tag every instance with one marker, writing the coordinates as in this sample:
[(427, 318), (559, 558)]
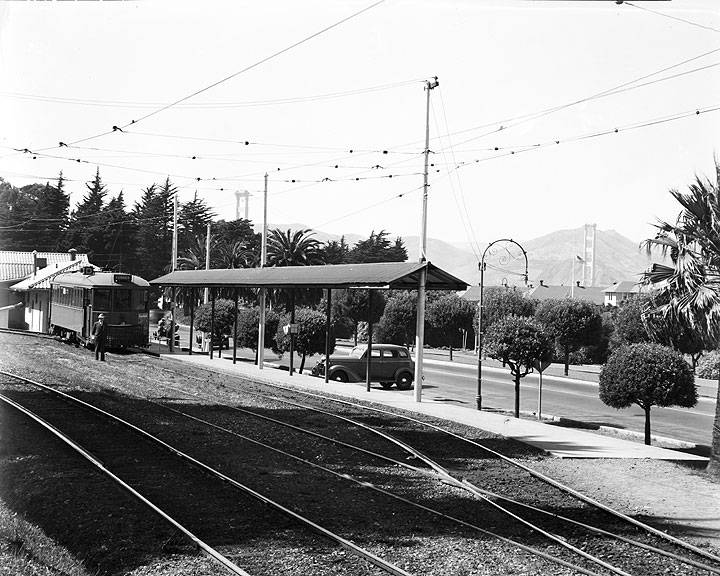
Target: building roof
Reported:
[(41, 279), (17, 265), (626, 287), (589, 293), (399, 275), (472, 294)]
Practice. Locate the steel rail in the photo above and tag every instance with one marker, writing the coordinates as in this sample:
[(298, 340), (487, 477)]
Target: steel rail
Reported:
[(534, 473), (460, 483), (204, 547), (347, 544), (441, 471), (371, 486)]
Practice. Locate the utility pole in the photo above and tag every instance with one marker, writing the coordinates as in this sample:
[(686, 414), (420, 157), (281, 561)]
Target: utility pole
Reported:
[(173, 266), (420, 326), (263, 261), (206, 295)]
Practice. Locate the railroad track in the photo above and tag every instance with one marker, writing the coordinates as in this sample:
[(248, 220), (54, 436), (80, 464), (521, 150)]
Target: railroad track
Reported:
[(637, 540), (166, 479), (638, 549), (343, 477)]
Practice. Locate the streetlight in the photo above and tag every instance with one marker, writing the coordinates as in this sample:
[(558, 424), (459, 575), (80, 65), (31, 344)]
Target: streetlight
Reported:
[(478, 398)]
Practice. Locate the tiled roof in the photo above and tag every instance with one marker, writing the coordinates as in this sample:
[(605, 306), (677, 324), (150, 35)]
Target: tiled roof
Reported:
[(41, 279), (18, 265)]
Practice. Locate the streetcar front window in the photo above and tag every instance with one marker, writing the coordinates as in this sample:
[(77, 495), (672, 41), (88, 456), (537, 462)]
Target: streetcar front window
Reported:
[(122, 300), (139, 300)]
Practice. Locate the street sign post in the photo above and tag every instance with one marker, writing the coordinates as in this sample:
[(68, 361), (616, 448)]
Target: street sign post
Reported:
[(540, 366)]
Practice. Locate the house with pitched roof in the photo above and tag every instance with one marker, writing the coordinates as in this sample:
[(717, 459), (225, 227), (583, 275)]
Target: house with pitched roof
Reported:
[(616, 294), (544, 291), (17, 266)]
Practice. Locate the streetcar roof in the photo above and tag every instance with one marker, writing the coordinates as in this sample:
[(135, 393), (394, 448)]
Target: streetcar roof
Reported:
[(99, 280)]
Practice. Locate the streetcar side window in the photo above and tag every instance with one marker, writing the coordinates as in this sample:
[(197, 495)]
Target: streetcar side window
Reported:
[(101, 299)]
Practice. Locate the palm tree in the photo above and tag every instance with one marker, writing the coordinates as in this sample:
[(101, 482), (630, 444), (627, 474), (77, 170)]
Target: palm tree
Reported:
[(236, 255), (689, 290), (288, 249)]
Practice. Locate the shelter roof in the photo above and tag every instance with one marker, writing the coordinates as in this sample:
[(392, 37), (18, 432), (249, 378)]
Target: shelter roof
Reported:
[(398, 275), (41, 279)]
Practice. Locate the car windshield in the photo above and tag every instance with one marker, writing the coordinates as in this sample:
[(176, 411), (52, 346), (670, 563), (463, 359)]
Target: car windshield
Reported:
[(357, 352)]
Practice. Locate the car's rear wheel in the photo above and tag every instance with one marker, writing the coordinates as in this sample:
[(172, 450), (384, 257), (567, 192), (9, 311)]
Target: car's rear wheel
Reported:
[(339, 376), (386, 385), (404, 381)]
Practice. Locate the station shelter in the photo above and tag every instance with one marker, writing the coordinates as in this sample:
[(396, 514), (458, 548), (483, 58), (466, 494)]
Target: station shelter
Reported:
[(365, 276)]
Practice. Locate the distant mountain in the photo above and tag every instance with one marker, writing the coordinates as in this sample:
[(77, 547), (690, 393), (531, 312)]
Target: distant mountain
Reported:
[(550, 257)]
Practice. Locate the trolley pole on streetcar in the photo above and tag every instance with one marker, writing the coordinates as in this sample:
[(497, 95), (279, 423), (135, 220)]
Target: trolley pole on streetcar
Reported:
[(420, 325)]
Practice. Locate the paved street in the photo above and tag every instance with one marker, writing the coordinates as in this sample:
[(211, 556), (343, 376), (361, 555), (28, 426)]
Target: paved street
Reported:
[(574, 398)]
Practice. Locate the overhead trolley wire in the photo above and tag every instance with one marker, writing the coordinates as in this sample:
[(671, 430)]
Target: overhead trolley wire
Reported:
[(606, 132), (208, 105), (119, 128), (671, 17)]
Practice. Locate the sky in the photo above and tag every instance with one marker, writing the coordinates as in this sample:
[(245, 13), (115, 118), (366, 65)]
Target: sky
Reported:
[(338, 121)]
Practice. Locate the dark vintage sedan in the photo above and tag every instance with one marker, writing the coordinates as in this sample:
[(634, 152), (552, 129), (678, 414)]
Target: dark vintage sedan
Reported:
[(390, 364)]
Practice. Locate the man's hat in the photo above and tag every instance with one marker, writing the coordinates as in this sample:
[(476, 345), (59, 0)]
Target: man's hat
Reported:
[(101, 316)]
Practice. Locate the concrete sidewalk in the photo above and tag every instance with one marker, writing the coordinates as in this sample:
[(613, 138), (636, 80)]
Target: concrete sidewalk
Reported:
[(558, 441)]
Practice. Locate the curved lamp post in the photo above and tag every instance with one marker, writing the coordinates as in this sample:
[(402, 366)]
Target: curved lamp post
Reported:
[(478, 398)]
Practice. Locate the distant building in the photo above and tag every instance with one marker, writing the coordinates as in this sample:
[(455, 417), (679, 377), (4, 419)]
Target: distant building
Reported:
[(472, 294), (15, 267), (544, 291), (621, 291)]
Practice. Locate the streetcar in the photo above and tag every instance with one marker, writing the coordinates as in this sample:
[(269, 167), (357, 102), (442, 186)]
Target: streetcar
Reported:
[(78, 298)]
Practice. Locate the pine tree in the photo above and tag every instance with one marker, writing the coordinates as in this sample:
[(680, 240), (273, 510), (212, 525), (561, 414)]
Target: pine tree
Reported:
[(152, 216), (193, 218), (120, 236), (53, 213), (86, 230)]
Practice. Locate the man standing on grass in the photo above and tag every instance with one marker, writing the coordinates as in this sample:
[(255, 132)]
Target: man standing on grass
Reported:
[(99, 333)]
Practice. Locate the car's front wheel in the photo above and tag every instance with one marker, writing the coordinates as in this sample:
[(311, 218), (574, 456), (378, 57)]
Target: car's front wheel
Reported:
[(404, 381), (339, 376)]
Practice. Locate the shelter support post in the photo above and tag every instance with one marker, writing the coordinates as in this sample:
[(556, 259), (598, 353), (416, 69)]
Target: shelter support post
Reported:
[(292, 336), (212, 320), (368, 359), (235, 328), (261, 331), (420, 334), (328, 309), (171, 340), (192, 320)]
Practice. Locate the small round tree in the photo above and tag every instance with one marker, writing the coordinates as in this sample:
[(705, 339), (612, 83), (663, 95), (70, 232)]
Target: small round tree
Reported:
[(648, 375), (310, 338), (573, 323), (449, 315), (223, 322), (249, 324), (519, 342)]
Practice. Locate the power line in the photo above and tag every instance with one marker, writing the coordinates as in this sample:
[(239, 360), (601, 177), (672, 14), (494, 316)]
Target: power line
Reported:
[(233, 75), (664, 15), (207, 105), (606, 132)]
